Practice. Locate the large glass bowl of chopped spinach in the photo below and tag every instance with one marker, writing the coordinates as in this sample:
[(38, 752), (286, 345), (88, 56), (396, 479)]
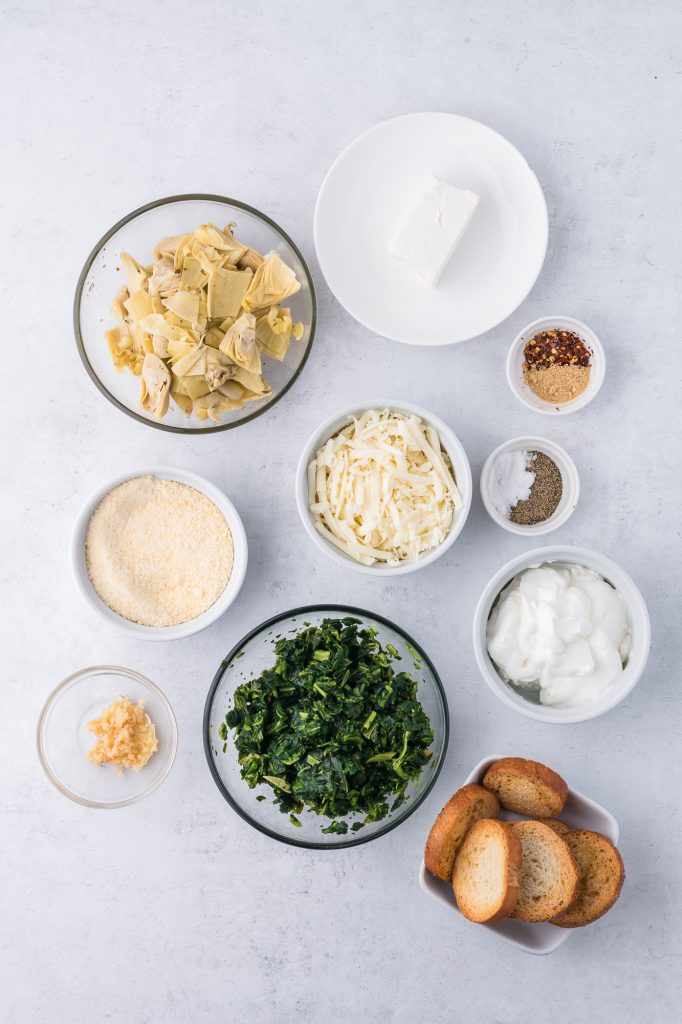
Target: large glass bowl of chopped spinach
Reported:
[(326, 726)]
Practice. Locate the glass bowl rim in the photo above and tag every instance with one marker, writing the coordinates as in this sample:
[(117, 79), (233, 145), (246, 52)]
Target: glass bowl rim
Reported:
[(49, 703), (357, 839), (167, 201)]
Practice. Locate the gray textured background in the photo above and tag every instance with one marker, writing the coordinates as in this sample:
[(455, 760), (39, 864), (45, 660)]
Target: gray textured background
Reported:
[(175, 910)]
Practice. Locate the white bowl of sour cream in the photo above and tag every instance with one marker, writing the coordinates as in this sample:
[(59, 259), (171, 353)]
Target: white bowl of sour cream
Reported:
[(561, 634)]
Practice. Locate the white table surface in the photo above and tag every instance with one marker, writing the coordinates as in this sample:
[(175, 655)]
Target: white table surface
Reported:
[(175, 910)]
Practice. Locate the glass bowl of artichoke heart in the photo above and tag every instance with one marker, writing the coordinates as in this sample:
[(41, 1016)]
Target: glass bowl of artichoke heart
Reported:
[(194, 314), (326, 726)]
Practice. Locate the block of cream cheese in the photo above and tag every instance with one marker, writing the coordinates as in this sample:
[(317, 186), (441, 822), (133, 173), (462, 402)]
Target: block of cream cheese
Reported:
[(433, 229)]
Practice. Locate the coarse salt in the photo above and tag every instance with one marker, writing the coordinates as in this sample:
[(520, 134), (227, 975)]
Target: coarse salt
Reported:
[(158, 552), (510, 480)]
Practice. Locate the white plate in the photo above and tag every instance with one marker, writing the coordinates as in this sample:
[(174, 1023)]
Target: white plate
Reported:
[(542, 938), (363, 199)]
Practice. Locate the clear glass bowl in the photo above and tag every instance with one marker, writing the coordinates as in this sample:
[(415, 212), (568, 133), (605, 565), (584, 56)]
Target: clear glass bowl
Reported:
[(137, 234), (64, 739), (253, 654)]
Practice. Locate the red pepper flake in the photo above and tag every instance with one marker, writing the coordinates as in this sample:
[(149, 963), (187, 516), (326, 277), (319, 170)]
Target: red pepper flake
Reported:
[(555, 348)]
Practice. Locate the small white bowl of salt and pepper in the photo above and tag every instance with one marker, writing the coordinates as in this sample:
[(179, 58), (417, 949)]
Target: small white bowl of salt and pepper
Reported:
[(522, 490)]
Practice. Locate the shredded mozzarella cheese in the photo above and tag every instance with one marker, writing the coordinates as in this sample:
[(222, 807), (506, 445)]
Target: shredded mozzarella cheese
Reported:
[(383, 489)]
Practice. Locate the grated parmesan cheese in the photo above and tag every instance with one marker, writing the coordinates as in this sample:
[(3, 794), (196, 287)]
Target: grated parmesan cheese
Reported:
[(382, 489), (158, 552)]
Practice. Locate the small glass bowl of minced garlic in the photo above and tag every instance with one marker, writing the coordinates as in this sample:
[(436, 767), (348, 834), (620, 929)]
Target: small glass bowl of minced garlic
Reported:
[(530, 486), (556, 365), (107, 737)]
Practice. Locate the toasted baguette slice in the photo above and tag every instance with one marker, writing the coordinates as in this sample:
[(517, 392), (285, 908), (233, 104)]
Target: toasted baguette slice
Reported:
[(601, 878), (526, 787), (556, 824), (487, 868), (549, 875), (469, 804)]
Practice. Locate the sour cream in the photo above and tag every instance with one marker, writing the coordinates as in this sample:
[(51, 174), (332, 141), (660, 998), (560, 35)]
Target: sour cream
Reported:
[(561, 628)]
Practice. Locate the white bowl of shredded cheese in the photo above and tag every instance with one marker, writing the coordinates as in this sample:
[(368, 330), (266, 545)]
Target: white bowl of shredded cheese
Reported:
[(383, 487), (160, 553)]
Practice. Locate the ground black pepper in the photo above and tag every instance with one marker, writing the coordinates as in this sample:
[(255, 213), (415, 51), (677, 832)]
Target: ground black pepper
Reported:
[(545, 494)]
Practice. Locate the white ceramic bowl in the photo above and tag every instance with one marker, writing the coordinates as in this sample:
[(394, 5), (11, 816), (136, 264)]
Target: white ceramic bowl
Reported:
[(579, 812), (515, 365), (184, 629), (640, 629), (331, 426), (569, 478)]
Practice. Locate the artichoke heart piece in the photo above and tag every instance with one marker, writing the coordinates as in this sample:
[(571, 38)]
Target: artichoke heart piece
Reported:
[(183, 402), (251, 259), (141, 341), (222, 241), (154, 386), (177, 385), (213, 337), (274, 331), (160, 346), (164, 281), (184, 305), (117, 307), (167, 247), (196, 387), (120, 343), (273, 282), (193, 364), (226, 291), (136, 275), (212, 405), (209, 259), (192, 277), (202, 319), (218, 374), (179, 347), (253, 382), (138, 304), (230, 389), (239, 343), (158, 324)]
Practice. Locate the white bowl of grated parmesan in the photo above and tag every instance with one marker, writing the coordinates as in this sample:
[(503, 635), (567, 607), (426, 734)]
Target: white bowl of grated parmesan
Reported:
[(159, 554), (383, 487)]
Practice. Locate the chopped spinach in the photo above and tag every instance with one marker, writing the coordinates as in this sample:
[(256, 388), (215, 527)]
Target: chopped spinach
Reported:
[(331, 727)]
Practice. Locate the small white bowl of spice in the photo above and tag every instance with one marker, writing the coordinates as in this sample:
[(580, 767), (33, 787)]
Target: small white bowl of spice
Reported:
[(556, 365), (160, 554), (530, 486)]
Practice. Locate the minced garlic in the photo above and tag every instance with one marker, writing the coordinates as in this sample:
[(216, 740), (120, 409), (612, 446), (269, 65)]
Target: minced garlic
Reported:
[(126, 736), (158, 552)]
